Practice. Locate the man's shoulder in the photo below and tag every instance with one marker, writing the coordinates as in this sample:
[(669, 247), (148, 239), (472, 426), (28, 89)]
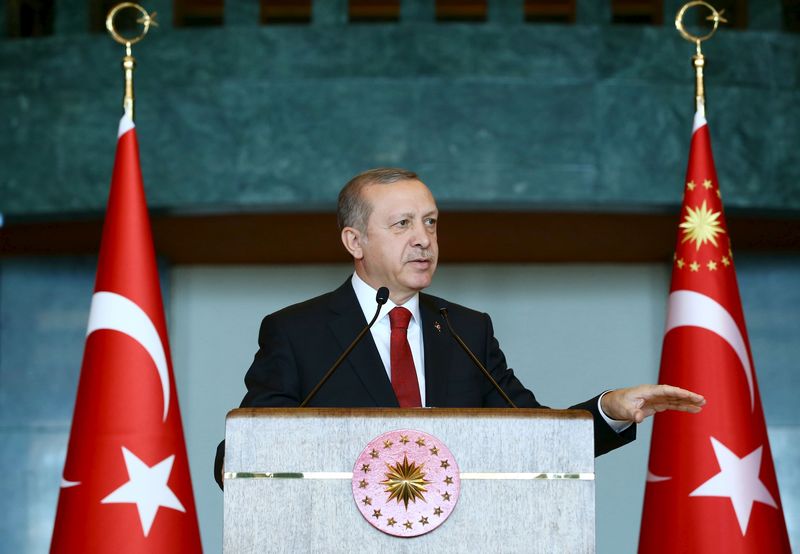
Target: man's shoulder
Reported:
[(317, 305), (453, 309)]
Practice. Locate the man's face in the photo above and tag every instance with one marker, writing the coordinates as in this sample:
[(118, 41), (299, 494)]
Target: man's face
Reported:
[(399, 249)]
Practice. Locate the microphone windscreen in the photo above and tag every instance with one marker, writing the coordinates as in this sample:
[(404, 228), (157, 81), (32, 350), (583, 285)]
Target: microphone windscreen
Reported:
[(382, 296)]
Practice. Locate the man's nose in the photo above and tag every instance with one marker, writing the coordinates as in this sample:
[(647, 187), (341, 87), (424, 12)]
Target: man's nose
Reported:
[(421, 238)]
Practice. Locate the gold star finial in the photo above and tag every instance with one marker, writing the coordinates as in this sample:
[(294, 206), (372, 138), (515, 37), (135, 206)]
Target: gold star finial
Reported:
[(717, 16)]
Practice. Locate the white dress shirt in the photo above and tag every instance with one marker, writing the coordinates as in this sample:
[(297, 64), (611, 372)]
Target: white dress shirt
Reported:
[(382, 332)]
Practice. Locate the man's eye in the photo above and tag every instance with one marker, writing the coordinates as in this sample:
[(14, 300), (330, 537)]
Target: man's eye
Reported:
[(402, 223), (431, 221)]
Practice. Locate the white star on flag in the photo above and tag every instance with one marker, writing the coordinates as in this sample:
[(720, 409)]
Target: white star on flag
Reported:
[(147, 488), (738, 480)]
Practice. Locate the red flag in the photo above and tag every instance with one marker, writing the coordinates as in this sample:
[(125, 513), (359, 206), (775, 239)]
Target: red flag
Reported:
[(711, 483), (126, 484)]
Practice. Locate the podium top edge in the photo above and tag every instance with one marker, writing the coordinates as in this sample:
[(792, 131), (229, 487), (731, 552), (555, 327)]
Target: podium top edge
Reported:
[(421, 413)]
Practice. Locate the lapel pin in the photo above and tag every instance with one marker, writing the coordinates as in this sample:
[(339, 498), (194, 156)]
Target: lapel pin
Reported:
[(438, 326)]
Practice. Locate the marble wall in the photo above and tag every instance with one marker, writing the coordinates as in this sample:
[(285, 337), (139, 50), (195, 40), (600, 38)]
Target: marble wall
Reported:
[(500, 113)]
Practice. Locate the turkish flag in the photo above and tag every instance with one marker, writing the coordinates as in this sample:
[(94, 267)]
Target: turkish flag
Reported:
[(711, 483), (126, 484)]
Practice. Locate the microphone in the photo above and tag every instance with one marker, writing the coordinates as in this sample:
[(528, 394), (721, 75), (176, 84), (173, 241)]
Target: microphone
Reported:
[(381, 297), (475, 359)]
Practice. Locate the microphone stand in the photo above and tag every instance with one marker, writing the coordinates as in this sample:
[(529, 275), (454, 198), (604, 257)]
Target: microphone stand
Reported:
[(381, 297), (475, 360)]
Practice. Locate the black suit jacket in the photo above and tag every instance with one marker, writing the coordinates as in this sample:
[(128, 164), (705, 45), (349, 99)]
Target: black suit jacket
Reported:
[(298, 344)]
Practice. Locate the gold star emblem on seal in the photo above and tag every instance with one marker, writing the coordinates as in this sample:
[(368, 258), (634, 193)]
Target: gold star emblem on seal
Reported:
[(405, 482)]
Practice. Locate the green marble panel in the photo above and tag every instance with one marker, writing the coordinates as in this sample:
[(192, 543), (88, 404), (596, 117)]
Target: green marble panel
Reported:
[(278, 117)]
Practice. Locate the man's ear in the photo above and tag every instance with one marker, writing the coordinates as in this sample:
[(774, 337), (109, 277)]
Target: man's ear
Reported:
[(352, 240)]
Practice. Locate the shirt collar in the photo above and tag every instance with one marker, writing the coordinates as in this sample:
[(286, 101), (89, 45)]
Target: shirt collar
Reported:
[(366, 299)]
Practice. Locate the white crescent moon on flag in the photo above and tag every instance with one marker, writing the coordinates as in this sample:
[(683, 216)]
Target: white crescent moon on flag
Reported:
[(653, 478), (687, 308), (117, 313), (67, 484)]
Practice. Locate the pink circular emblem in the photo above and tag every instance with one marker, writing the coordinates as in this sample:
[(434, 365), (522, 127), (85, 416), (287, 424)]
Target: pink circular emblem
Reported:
[(406, 483)]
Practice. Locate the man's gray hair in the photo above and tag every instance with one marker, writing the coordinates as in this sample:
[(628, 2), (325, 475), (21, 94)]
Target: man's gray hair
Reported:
[(353, 210)]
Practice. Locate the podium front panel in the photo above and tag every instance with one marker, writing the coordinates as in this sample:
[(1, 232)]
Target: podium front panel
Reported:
[(528, 482)]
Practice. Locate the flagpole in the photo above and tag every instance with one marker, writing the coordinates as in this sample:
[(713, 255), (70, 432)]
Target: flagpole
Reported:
[(698, 60), (128, 61)]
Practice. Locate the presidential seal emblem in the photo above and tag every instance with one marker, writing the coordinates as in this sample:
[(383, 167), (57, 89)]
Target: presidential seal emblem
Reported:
[(406, 483)]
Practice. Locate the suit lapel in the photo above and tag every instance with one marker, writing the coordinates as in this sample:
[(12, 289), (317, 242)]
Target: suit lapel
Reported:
[(438, 352), (364, 360)]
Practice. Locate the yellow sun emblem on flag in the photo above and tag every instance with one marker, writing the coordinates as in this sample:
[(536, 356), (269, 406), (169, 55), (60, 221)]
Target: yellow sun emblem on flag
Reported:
[(701, 225), (405, 482)]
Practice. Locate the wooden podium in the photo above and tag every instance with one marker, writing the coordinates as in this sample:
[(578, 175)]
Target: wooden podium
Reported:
[(527, 480)]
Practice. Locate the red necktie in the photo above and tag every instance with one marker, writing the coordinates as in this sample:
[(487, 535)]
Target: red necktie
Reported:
[(404, 376)]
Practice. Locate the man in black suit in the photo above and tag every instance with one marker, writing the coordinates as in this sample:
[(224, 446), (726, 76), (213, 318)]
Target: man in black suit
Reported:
[(388, 220)]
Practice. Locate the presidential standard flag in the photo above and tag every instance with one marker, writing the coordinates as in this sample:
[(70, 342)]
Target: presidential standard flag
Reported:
[(711, 483), (126, 485)]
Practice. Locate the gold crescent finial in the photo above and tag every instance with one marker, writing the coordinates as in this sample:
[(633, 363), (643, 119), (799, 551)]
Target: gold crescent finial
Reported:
[(698, 60), (146, 19), (716, 17), (128, 61)]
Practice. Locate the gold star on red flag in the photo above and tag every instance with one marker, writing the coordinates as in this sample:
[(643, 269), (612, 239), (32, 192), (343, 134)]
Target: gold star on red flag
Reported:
[(701, 225)]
